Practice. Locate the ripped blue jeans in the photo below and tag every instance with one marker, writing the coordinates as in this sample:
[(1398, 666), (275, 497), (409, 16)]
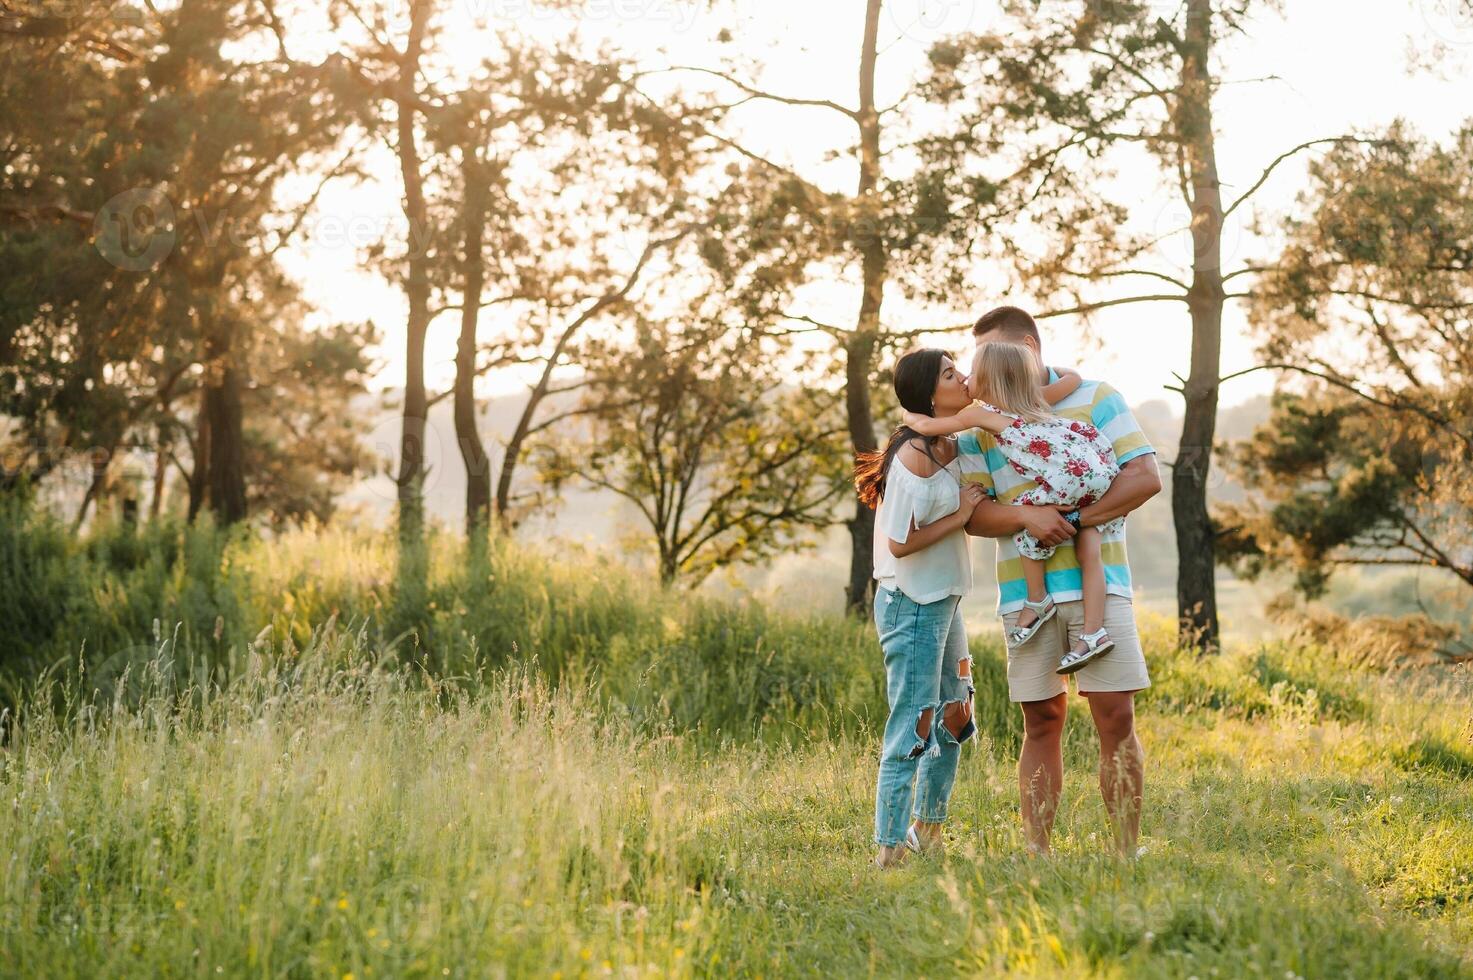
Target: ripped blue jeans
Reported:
[(927, 666)]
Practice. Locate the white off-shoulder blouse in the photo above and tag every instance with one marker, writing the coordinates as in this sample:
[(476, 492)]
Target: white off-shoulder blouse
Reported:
[(933, 573)]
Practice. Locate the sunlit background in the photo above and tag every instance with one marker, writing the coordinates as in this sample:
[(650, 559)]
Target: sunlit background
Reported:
[(1306, 70), (1316, 68), (1319, 69)]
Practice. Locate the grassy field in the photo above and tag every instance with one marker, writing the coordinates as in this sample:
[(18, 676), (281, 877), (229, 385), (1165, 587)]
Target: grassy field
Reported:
[(561, 772)]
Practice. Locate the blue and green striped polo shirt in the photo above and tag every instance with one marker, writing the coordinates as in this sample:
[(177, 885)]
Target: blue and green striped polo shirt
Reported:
[(983, 462)]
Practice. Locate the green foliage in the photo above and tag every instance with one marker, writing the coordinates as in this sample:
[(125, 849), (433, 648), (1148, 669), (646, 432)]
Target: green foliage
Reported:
[(1037, 117), (144, 195), (703, 430), (1332, 474), (1365, 458)]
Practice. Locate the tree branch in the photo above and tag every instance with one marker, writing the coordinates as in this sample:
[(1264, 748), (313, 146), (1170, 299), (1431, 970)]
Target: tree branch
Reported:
[(1341, 383), (1127, 272), (1268, 171), (1091, 307), (756, 93)]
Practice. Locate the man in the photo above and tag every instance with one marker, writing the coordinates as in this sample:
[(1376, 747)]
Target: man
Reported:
[(1110, 682)]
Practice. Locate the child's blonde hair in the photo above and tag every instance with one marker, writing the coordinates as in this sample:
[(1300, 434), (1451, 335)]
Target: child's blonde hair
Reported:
[(1008, 378)]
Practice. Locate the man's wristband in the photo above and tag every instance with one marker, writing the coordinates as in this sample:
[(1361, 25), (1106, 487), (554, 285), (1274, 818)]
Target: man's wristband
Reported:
[(1073, 518)]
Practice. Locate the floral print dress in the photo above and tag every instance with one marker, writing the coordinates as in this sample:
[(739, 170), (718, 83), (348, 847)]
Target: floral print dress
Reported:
[(1071, 463)]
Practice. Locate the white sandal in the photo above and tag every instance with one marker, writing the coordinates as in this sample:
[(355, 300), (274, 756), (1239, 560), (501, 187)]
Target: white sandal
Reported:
[(1043, 611), (1096, 644)]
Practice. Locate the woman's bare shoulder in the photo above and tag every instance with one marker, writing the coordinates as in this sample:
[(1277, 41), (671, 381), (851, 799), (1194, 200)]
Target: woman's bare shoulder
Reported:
[(913, 456)]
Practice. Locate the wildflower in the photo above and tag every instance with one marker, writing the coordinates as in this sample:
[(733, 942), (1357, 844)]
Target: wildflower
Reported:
[(342, 903)]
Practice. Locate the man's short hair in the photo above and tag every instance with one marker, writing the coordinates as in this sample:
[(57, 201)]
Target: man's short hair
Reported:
[(1007, 320)]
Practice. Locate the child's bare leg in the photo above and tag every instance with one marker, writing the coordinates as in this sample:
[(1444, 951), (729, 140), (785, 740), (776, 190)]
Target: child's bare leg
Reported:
[(1092, 570), (1033, 575)]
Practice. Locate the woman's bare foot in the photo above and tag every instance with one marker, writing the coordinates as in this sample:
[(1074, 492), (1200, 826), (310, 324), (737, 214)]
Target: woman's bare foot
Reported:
[(891, 857)]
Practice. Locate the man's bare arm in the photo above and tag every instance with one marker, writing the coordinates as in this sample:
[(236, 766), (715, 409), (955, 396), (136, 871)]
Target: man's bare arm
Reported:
[(1139, 481), (994, 520)]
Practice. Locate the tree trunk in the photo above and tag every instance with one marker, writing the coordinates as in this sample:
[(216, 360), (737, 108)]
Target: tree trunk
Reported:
[(101, 460), (218, 482), (417, 287), (224, 457), (513, 453), (1196, 587), (225, 473), (859, 349), (859, 357), (200, 454), (519, 435), (539, 390), (472, 452), (160, 473)]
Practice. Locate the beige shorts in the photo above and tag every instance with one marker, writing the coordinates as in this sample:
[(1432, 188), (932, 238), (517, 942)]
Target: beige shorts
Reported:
[(1032, 666)]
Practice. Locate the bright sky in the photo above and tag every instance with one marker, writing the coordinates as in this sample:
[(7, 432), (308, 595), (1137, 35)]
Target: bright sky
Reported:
[(1337, 67)]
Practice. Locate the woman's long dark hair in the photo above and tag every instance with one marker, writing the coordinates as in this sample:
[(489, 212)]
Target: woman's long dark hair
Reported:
[(916, 375)]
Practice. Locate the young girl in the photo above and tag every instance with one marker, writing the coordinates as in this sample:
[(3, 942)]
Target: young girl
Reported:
[(1071, 463)]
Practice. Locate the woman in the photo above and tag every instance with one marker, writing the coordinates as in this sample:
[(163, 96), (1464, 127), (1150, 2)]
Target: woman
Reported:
[(924, 567)]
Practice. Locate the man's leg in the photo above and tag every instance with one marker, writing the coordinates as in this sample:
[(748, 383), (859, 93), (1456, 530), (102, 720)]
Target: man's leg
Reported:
[(1111, 684), (1041, 767), (1122, 763), (1044, 698)]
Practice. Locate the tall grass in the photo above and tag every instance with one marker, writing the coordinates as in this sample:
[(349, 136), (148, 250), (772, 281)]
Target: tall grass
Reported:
[(333, 812), (227, 756), (324, 816)]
